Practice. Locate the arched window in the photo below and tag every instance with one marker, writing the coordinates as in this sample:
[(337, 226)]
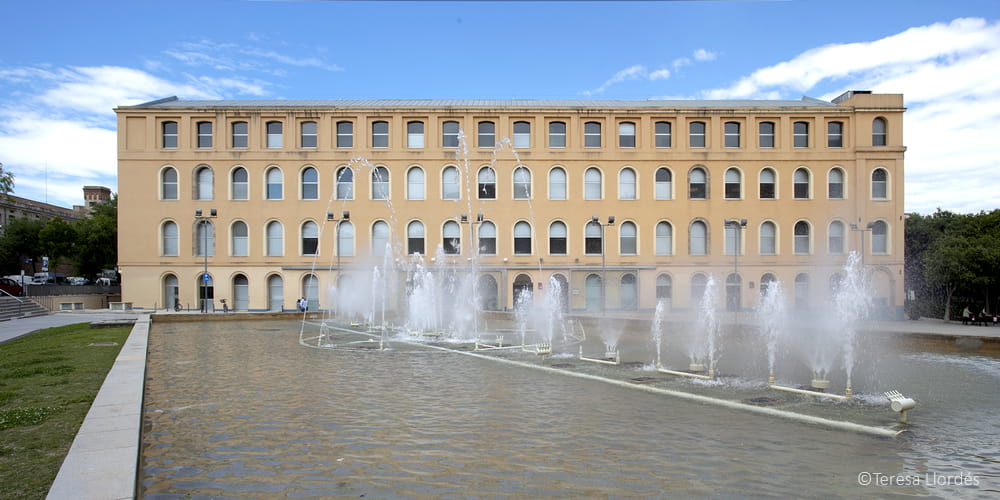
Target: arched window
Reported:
[(835, 184), (802, 291), (310, 290), (734, 286), (557, 184), (697, 184), (310, 184), (699, 282), (452, 238), (592, 184), (880, 182), (274, 183), (487, 238), (275, 239), (275, 293), (241, 293), (523, 291), (380, 183), (169, 235), (698, 238), (240, 236), (522, 183), (768, 238), (204, 184), (415, 184), (768, 186), (664, 288), (594, 290), (171, 292), (168, 184), (206, 293), (800, 184), (345, 183), (522, 238), (801, 238), (664, 238), (240, 184), (487, 188), (310, 238), (557, 238), (415, 238), (880, 237), (628, 292), (766, 282), (450, 184), (835, 238), (664, 184), (205, 238), (879, 128), (626, 184), (734, 184), (345, 238), (593, 238), (380, 238), (628, 239), (489, 293)]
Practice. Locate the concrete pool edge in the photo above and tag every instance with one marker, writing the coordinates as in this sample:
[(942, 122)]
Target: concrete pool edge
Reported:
[(103, 461)]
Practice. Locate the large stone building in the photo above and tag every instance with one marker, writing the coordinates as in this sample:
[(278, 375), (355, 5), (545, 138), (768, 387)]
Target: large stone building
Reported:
[(740, 192)]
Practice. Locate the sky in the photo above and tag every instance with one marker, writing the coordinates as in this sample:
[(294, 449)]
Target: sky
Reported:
[(65, 65)]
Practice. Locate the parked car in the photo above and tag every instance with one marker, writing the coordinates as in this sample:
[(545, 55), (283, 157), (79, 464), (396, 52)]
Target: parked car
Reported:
[(77, 280), (10, 286), (49, 279)]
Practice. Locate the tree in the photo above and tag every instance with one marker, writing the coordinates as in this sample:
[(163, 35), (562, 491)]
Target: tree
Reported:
[(6, 181), (57, 239), (97, 240), (20, 242)]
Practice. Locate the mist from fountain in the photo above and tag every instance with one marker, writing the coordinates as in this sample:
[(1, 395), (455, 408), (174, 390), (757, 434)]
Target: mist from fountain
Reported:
[(773, 318)]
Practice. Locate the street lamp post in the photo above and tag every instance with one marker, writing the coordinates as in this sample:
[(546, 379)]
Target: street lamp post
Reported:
[(868, 227), (332, 217), (604, 268), (203, 222), (737, 225), (473, 250)]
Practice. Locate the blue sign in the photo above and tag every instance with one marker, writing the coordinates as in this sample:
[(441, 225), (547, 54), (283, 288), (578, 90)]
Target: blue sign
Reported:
[(206, 278)]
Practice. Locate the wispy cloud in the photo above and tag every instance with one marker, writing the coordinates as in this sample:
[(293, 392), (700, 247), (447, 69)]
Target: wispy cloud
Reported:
[(949, 74), (641, 72)]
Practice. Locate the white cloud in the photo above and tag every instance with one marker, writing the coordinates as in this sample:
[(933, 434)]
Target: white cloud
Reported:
[(636, 72), (704, 55), (949, 75)]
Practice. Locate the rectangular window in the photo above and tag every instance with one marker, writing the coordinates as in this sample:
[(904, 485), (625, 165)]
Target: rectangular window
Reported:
[(380, 134), (835, 135), (557, 245), (626, 135), (274, 135), (522, 135), (592, 135), (800, 134), (449, 135), (169, 135), (310, 135), (241, 135), (663, 138), (486, 134), (345, 135), (204, 134), (557, 135), (766, 134), (732, 132), (697, 134), (415, 135)]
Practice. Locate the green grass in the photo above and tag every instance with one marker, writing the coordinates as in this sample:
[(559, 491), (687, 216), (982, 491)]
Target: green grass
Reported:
[(48, 379)]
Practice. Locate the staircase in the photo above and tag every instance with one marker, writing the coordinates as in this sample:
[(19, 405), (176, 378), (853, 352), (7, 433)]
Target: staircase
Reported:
[(19, 307)]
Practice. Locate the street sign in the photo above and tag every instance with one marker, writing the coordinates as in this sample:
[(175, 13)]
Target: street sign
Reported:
[(206, 278)]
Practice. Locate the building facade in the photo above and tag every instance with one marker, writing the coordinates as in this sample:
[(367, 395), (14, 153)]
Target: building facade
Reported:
[(624, 203)]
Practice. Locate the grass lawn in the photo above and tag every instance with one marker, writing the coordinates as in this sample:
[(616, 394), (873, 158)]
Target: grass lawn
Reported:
[(48, 379)]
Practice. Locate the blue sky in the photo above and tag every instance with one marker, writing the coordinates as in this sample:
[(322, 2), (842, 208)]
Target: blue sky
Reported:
[(66, 64)]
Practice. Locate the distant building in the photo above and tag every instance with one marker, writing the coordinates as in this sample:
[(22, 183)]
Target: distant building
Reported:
[(14, 207), (94, 195), (813, 180)]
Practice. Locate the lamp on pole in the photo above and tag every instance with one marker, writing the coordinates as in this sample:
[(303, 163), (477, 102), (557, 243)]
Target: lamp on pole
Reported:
[(737, 225), (332, 217), (868, 227), (473, 250), (204, 223), (604, 267)]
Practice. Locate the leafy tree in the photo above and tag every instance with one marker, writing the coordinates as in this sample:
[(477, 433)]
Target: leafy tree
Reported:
[(97, 240), (18, 242), (57, 239), (6, 181)]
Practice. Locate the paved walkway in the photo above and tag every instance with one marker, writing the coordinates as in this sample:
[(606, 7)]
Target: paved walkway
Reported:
[(15, 328)]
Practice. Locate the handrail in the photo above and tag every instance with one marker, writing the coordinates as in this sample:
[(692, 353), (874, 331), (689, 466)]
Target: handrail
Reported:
[(5, 292)]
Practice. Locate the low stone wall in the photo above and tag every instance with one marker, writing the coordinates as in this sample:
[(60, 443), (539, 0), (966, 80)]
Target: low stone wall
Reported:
[(56, 303)]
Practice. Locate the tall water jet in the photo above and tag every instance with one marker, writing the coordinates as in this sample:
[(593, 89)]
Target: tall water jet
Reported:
[(851, 304), (659, 316), (773, 320), (702, 349)]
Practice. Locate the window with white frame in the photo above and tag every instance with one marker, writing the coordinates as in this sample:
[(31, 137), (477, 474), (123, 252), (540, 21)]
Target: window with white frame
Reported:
[(204, 238), (557, 134), (415, 134), (241, 135), (697, 184), (662, 134), (380, 134), (310, 238), (168, 184), (487, 184), (626, 184), (835, 184), (880, 237), (664, 238), (626, 135), (768, 184), (768, 238), (696, 134), (451, 235), (345, 183), (450, 184), (275, 239), (592, 135), (240, 235), (557, 184), (880, 184), (487, 238), (204, 135), (240, 184), (274, 135), (628, 239), (449, 134), (310, 184), (168, 135), (557, 238), (415, 238), (835, 134), (205, 183), (522, 238), (765, 135), (170, 239), (345, 238), (801, 238), (879, 128), (486, 134), (731, 131), (592, 184), (664, 179), (800, 134), (734, 184), (274, 183), (522, 135), (698, 238), (380, 183), (415, 184), (380, 238), (800, 184), (835, 238), (522, 183), (309, 135), (345, 134)]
